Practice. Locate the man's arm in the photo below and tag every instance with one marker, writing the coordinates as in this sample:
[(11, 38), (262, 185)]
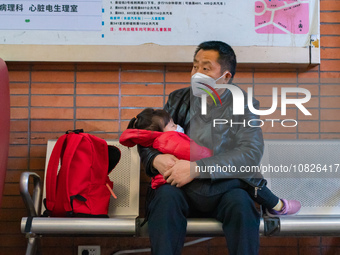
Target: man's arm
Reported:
[(147, 155), (247, 151)]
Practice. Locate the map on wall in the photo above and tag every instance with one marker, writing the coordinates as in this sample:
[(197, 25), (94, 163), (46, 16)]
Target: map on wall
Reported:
[(163, 22), (282, 17)]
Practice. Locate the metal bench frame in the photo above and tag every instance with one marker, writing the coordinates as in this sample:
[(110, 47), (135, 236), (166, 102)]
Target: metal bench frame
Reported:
[(128, 224)]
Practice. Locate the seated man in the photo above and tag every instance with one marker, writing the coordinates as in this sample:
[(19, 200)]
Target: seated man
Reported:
[(221, 195)]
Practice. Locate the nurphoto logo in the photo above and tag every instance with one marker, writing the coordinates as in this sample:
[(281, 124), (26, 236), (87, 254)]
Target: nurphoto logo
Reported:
[(238, 104), (207, 91)]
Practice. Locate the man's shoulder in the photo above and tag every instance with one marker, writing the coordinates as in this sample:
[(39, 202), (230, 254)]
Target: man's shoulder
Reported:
[(179, 96), (178, 105), (180, 92)]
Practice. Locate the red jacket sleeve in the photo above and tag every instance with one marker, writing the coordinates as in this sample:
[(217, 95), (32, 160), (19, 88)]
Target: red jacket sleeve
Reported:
[(131, 137), (181, 146), (172, 142)]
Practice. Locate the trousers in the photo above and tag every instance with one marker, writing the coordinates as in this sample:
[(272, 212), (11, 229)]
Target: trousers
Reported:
[(263, 197), (170, 207)]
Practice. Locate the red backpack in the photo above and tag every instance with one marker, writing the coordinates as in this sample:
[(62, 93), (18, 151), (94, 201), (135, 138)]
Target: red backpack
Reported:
[(81, 187)]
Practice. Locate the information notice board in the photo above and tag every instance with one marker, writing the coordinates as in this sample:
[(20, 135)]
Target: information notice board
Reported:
[(263, 23)]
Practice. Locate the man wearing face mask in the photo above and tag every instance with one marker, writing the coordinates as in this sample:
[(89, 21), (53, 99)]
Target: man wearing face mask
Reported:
[(221, 195)]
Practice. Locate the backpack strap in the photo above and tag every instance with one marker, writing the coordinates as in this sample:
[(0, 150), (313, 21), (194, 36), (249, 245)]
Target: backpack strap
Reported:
[(72, 144), (53, 164), (52, 172)]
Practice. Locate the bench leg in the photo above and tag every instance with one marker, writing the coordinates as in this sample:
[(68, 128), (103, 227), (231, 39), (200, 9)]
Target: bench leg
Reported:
[(32, 245)]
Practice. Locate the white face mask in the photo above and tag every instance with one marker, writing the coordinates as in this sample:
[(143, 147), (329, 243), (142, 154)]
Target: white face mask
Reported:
[(179, 129), (200, 81)]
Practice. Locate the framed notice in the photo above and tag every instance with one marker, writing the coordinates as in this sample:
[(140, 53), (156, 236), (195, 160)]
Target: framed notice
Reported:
[(160, 31)]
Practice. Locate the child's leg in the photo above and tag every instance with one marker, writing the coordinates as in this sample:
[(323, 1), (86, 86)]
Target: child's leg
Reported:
[(274, 205), (264, 197)]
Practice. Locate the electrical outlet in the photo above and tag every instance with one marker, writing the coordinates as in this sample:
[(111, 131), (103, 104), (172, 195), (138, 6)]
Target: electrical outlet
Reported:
[(88, 250)]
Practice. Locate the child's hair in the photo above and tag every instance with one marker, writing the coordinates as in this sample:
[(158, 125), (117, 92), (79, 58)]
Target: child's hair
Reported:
[(150, 119)]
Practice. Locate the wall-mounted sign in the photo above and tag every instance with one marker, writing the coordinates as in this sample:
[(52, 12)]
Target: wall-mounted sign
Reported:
[(240, 23), (263, 23)]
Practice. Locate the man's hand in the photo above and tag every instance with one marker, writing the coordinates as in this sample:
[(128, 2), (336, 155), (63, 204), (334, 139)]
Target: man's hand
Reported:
[(180, 174), (163, 162)]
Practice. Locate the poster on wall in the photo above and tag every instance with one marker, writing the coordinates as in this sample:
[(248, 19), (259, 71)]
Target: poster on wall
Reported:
[(283, 23)]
